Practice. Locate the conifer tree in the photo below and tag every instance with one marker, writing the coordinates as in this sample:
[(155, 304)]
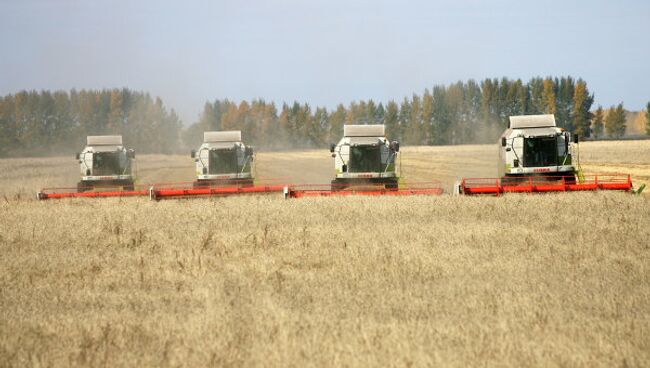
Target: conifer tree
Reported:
[(391, 120), (598, 122), (336, 122), (580, 113), (404, 118)]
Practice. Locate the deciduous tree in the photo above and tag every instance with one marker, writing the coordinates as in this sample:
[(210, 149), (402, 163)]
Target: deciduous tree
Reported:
[(615, 121)]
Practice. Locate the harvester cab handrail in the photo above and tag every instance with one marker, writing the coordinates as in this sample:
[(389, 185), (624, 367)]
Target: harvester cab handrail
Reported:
[(128, 164), (198, 154), (248, 160), (134, 169), (579, 173), (83, 160), (391, 159), (512, 148), (339, 151)]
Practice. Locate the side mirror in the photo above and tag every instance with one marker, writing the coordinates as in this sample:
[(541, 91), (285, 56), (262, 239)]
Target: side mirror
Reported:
[(345, 168), (131, 153), (76, 156), (332, 146), (575, 139), (394, 145), (205, 170), (193, 153), (503, 141), (333, 155)]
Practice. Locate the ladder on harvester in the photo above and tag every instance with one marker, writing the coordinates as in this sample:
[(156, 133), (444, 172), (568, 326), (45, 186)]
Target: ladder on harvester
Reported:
[(579, 173)]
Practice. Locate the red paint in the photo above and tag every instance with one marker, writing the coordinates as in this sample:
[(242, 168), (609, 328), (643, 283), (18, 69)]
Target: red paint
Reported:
[(531, 184), (213, 191)]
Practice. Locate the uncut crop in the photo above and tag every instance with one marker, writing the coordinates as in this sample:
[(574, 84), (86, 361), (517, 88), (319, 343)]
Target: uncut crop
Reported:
[(519, 280), (328, 281)]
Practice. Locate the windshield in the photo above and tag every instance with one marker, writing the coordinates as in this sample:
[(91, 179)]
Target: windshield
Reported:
[(223, 161), (365, 159), (107, 163), (540, 152)]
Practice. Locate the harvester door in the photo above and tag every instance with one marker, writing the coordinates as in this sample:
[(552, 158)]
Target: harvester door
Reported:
[(566, 143)]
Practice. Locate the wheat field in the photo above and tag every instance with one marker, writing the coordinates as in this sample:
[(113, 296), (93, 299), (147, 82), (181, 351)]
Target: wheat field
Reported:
[(519, 280)]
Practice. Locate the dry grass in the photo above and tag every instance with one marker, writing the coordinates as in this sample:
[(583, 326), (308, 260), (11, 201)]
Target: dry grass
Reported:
[(522, 280)]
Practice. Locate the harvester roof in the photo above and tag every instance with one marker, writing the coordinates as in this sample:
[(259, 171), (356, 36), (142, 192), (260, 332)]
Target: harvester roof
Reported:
[(532, 121), (104, 140), (364, 130), (222, 136)]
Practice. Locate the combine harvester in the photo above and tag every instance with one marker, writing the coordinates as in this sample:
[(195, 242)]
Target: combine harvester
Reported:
[(365, 164), (106, 171), (224, 166), (535, 156)]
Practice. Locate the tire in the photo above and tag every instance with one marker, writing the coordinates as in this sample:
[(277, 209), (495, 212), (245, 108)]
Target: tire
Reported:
[(392, 185), (201, 184), (83, 187), (570, 179), (246, 183), (339, 184)]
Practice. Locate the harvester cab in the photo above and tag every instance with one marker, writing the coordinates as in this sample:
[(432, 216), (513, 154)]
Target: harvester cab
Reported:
[(105, 163), (534, 146), (223, 159), (365, 156)]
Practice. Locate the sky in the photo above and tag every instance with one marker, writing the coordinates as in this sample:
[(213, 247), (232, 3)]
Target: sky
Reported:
[(320, 52)]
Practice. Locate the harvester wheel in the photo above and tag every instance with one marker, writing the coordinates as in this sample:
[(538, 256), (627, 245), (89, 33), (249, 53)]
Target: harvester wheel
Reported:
[(200, 184), (392, 185), (339, 185), (570, 179), (83, 187), (246, 183)]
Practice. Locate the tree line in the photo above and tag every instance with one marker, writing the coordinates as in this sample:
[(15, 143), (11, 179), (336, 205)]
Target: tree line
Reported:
[(38, 123), (41, 123), (647, 119), (463, 112)]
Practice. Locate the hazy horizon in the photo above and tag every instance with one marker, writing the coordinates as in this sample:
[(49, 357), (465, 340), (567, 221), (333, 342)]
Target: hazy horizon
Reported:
[(322, 52)]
